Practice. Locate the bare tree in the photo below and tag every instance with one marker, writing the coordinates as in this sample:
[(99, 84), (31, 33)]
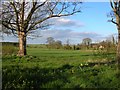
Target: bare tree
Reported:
[(22, 18), (113, 40), (50, 40), (115, 4), (87, 42), (58, 44)]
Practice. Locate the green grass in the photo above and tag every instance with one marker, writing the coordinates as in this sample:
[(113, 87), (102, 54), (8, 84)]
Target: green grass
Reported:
[(51, 68)]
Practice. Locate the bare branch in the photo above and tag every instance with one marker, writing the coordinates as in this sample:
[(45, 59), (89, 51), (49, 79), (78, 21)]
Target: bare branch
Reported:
[(38, 13), (114, 22), (59, 14), (7, 26), (17, 17), (33, 9), (41, 5), (116, 9)]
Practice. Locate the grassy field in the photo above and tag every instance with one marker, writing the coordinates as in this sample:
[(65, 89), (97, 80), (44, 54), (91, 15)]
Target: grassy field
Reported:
[(51, 68)]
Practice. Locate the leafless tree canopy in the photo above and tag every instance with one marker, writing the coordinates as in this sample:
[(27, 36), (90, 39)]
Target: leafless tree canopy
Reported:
[(21, 18), (34, 15), (115, 4)]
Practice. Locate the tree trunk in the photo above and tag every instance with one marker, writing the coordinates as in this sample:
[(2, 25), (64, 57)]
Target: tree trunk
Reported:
[(118, 55), (118, 45), (22, 44), (22, 33), (118, 49)]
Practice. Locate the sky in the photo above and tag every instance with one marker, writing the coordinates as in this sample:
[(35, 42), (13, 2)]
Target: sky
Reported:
[(92, 23)]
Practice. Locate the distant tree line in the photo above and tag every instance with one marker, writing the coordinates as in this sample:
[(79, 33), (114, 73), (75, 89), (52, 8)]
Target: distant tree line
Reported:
[(86, 44), (53, 44), (10, 43)]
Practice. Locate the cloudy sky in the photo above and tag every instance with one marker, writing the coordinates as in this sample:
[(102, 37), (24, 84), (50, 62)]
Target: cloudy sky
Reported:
[(92, 23)]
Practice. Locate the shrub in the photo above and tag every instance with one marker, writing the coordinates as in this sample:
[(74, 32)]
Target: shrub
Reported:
[(9, 49), (10, 43)]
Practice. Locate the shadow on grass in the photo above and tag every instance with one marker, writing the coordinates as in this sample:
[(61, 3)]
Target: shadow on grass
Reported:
[(98, 54), (102, 63), (15, 76), (36, 77), (20, 77)]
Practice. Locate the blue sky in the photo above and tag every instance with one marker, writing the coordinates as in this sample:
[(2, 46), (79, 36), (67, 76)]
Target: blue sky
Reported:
[(94, 17), (92, 22)]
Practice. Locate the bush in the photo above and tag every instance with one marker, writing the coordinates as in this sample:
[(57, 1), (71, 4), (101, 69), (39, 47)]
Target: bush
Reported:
[(10, 43), (9, 49)]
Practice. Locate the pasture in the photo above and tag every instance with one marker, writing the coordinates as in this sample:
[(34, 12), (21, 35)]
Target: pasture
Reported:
[(58, 68)]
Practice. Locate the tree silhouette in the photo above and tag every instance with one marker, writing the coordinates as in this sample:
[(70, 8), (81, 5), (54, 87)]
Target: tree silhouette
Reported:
[(115, 5), (23, 18)]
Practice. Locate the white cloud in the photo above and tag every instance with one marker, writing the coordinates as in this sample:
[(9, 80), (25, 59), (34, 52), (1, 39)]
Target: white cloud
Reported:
[(75, 37), (65, 22)]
